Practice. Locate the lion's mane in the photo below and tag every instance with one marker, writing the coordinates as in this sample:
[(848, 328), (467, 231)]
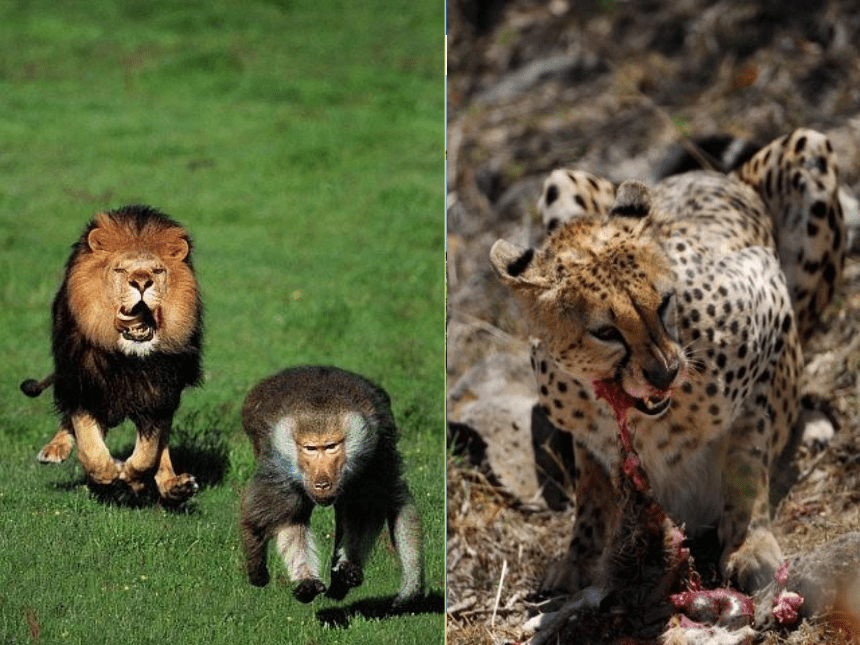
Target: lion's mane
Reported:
[(94, 371)]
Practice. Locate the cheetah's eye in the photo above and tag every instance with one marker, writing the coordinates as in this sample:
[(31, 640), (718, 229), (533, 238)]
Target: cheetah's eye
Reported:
[(664, 305), (667, 312), (608, 334)]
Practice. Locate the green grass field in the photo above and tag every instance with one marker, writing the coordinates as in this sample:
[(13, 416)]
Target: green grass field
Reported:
[(302, 144)]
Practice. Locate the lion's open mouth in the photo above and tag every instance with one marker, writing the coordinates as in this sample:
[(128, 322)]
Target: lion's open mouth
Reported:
[(137, 324)]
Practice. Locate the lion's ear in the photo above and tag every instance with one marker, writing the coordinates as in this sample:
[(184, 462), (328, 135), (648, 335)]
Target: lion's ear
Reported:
[(176, 248), (515, 266), (97, 239)]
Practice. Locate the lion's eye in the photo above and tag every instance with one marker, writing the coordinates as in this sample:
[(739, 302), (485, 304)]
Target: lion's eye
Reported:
[(119, 270), (608, 334), (157, 271)]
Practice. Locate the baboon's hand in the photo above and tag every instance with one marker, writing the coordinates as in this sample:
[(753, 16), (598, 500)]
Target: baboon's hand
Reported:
[(344, 577), (308, 589)]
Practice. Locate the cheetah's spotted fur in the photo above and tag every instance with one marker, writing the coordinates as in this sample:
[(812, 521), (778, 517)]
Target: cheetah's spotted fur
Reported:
[(692, 296)]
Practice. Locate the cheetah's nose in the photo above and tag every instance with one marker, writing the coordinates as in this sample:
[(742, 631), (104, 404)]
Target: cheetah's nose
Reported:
[(662, 376)]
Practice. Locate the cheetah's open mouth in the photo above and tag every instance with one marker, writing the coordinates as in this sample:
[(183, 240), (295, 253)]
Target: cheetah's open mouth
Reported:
[(653, 405), (620, 401)]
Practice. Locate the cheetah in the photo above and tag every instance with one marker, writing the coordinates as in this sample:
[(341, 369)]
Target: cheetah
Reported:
[(693, 297)]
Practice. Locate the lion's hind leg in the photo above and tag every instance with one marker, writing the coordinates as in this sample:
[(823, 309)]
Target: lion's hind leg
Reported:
[(58, 449)]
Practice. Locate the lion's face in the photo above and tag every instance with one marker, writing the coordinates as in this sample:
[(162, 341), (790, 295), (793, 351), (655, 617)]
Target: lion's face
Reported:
[(138, 283), (133, 291)]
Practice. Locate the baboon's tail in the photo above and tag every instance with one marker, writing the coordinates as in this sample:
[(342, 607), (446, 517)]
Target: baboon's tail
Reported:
[(33, 388)]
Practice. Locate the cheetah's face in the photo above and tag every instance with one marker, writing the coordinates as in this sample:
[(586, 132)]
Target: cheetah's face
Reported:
[(632, 342), (603, 302)]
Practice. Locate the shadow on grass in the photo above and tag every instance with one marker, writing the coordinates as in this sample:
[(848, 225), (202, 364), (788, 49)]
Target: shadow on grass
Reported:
[(120, 495), (198, 445), (379, 608)]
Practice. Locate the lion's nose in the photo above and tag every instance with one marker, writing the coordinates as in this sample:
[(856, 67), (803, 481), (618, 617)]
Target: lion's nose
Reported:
[(140, 283)]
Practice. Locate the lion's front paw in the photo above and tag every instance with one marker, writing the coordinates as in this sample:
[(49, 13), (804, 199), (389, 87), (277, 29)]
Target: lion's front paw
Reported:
[(753, 565), (177, 488)]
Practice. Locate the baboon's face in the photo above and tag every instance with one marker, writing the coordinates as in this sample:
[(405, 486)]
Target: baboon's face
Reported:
[(321, 459)]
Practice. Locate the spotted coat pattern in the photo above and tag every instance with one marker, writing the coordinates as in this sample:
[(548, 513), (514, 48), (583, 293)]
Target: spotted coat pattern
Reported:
[(693, 296)]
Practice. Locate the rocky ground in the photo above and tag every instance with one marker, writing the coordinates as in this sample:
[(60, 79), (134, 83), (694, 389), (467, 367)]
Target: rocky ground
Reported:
[(613, 87)]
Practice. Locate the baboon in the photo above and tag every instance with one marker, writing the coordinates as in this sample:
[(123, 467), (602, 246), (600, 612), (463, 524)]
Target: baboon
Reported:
[(325, 436)]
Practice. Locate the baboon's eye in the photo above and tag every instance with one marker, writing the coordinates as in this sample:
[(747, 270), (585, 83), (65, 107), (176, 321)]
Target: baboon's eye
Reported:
[(309, 448), (331, 447)]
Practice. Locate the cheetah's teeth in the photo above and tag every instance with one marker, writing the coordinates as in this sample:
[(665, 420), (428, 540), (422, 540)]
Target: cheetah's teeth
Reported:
[(653, 405)]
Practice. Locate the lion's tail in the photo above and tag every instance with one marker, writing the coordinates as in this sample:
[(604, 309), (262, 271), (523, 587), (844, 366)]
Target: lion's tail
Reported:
[(33, 388)]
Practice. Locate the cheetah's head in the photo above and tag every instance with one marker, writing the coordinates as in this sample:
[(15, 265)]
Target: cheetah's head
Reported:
[(601, 296)]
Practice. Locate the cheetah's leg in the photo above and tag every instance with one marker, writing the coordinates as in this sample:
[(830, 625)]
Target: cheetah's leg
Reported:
[(798, 180), (568, 194), (751, 554), (594, 498)]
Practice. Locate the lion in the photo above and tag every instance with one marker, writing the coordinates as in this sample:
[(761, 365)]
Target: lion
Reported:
[(126, 341)]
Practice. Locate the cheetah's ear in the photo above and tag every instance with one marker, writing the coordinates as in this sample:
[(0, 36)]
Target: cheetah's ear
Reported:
[(633, 199), (515, 266)]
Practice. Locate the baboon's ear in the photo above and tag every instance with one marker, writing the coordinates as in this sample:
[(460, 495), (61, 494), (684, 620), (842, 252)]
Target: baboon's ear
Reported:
[(516, 267)]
